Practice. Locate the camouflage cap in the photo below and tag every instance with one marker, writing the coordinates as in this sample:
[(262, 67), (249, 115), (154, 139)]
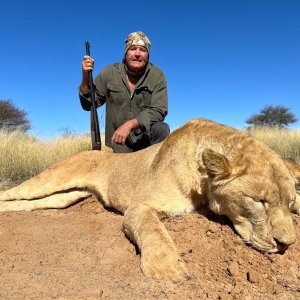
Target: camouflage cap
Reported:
[(137, 38)]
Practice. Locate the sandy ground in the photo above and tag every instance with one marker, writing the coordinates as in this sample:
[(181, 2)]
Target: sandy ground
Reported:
[(81, 253)]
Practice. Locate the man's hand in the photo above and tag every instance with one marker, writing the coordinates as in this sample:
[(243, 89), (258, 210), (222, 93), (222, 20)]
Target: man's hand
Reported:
[(121, 134), (87, 67), (87, 64)]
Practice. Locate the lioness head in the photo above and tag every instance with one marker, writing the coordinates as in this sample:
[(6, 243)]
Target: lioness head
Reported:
[(255, 194)]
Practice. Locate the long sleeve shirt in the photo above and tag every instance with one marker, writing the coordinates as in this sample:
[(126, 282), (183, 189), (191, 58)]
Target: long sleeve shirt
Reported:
[(148, 103)]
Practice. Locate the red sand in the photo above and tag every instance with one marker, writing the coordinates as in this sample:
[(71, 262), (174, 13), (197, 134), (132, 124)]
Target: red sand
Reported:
[(81, 253)]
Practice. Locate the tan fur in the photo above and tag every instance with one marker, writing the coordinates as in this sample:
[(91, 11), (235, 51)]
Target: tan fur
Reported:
[(295, 170), (201, 163)]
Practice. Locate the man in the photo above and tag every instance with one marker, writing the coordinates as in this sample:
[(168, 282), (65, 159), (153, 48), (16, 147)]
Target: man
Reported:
[(135, 93)]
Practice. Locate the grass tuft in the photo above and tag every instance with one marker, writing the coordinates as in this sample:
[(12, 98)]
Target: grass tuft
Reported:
[(23, 156), (285, 142)]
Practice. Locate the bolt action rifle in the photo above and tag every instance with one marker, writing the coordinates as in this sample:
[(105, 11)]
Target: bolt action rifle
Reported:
[(95, 131)]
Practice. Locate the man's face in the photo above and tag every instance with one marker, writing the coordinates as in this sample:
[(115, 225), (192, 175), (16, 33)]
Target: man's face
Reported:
[(137, 58)]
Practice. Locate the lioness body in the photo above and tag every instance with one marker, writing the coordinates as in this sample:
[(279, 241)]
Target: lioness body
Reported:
[(200, 163)]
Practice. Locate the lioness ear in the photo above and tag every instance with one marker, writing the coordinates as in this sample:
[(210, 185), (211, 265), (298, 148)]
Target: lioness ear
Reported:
[(217, 165)]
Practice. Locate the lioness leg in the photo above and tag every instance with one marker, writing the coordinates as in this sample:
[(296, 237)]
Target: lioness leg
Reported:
[(74, 173), (60, 200), (159, 258)]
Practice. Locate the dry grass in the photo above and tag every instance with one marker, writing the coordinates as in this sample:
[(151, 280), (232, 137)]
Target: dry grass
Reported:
[(23, 156), (286, 142)]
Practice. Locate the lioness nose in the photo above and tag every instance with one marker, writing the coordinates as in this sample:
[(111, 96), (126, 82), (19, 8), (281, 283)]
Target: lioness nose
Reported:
[(282, 246)]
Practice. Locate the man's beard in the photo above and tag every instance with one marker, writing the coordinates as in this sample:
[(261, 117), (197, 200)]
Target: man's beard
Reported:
[(134, 73)]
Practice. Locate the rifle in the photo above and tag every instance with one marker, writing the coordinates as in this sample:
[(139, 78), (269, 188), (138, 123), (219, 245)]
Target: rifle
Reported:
[(95, 131)]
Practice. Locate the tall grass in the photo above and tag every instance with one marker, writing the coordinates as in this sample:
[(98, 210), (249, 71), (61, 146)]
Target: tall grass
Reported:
[(285, 142), (23, 156)]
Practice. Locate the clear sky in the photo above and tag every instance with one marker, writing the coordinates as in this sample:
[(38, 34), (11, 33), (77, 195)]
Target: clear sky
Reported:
[(224, 59)]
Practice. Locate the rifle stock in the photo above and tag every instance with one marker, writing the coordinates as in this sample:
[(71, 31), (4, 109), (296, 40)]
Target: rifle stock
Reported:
[(95, 131)]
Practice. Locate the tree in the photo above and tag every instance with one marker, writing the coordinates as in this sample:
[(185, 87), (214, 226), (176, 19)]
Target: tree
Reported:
[(272, 116), (13, 118)]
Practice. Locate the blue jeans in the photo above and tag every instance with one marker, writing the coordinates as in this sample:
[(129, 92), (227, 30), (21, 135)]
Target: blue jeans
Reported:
[(140, 140)]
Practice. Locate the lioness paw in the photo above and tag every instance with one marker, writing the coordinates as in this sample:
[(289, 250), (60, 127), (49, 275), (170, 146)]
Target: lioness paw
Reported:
[(164, 267)]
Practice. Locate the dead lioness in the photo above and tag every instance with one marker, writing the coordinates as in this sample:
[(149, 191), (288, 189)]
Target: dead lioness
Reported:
[(200, 163)]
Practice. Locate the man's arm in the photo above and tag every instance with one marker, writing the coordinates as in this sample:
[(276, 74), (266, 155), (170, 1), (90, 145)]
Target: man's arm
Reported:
[(158, 108), (84, 92)]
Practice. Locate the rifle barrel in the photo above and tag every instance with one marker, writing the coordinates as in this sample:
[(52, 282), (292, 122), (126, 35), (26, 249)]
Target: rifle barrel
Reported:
[(95, 131)]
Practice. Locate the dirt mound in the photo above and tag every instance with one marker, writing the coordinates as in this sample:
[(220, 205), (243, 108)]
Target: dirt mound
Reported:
[(81, 253)]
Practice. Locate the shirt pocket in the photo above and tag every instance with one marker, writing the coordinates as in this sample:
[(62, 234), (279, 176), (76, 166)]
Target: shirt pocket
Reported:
[(145, 96), (116, 94)]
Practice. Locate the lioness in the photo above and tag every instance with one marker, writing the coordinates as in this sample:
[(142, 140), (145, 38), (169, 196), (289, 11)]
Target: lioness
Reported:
[(201, 163)]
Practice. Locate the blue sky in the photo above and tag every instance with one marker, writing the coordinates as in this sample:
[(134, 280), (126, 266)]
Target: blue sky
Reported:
[(224, 60)]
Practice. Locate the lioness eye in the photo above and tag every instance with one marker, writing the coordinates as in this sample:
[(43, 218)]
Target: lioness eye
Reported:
[(261, 201)]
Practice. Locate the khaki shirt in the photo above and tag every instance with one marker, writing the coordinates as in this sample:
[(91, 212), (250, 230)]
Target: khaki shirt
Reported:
[(148, 103)]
